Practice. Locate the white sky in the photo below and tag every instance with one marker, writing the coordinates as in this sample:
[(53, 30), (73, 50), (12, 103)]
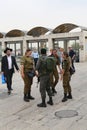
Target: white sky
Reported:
[(26, 14)]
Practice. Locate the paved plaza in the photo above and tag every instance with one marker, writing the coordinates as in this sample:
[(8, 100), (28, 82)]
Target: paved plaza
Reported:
[(15, 114)]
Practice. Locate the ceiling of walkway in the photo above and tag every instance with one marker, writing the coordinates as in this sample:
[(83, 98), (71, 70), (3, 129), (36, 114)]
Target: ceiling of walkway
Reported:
[(15, 33), (67, 27), (37, 31)]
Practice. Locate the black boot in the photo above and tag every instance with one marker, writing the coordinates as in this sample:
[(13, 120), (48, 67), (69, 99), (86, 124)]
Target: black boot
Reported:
[(54, 91), (43, 104), (26, 98), (69, 96), (30, 97), (64, 98), (50, 101)]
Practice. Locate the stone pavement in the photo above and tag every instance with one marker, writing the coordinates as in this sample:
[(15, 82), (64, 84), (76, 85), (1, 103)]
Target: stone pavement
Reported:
[(15, 114)]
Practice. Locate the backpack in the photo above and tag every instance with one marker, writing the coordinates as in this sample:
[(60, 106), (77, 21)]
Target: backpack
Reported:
[(47, 65), (42, 69), (50, 64)]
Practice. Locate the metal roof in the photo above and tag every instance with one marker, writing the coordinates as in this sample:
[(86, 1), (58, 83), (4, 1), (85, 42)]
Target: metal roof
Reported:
[(66, 27), (1, 35), (37, 31), (15, 33)]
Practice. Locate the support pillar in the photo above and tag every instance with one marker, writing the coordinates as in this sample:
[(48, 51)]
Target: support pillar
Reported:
[(3, 44), (24, 47), (65, 45), (50, 43), (82, 48)]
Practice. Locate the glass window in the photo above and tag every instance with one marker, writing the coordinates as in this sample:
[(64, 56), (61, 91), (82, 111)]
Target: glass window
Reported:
[(38, 45), (12, 46), (58, 44), (17, 48)]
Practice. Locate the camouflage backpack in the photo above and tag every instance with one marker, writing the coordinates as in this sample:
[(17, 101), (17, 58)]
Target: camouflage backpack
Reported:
[(50, 64), (47, 64)]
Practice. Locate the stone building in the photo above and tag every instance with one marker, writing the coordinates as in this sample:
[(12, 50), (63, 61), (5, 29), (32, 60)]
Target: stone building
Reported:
[(38, 37)]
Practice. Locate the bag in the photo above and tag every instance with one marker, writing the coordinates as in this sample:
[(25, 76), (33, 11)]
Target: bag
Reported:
[(72, 71), (50, 64), (31, 73), (47, 65), (3, 79)]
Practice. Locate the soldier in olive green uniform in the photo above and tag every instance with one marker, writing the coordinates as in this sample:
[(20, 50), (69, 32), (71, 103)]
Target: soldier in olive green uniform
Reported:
[(27, 64), (44, 75), (54, 76), (66, 77)]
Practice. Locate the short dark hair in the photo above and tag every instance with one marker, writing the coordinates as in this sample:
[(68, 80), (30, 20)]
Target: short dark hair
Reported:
[(27, 50), (66, 53), (43, 51)]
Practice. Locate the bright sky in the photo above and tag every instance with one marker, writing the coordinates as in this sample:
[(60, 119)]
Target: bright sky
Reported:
[(26, 14)]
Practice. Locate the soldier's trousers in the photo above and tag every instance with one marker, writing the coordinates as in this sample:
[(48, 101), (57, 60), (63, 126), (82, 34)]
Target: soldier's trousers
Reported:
[(54, 78), (45, 86), (66, 84), (27, 83)]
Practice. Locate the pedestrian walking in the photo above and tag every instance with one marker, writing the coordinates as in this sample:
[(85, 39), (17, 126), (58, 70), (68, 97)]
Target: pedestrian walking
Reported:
[(35, 55), (8, 63)]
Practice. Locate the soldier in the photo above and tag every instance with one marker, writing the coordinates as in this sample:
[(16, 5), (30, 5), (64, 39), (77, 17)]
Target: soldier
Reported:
[(54, 76), (66, 77), (72, 55), (27, 64), (44, 75)]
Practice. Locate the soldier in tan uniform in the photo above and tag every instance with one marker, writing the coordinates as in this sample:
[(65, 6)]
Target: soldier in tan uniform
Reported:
[(54, 76), (66, 77), (27, 64)]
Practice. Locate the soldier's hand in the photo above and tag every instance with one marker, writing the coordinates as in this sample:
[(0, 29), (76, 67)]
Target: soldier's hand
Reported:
[(36, 72), (22, 75), (61, 77)]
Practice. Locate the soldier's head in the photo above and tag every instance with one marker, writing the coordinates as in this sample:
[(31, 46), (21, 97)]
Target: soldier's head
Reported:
[(28, 52), (51, 51), (65, 55), (43, 51), (55, 53)]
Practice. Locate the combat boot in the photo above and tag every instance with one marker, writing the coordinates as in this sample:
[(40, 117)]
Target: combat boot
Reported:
[(26, 98), (54, 90), (30, 97), (69, 96), (50, 102), (64, 98), (43, 104)]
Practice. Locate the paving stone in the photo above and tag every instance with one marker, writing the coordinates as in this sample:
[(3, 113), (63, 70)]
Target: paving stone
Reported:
[(15, 114)]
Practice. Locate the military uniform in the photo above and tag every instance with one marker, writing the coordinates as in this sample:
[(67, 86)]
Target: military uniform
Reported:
[(44, 81), (54, 76), (66, 78), (28, 64)]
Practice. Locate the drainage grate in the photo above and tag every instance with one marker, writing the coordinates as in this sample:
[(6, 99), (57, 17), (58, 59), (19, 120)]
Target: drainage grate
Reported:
[(66, 113)]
